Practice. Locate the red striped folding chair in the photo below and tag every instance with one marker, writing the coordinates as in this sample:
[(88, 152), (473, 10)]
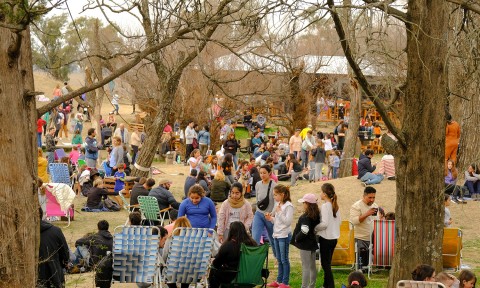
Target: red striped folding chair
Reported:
[(383, 244)]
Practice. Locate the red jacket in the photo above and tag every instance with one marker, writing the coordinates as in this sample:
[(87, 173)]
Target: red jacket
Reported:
[(40, 123)]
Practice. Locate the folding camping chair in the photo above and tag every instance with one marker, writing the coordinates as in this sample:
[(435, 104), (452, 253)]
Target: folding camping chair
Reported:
[(135, 255), (189, 255), (150, 210), (344, 253), (452, 248), (252, 267), (383, 244), (54, 209), (59, 173), (418, 284), (59, 154)]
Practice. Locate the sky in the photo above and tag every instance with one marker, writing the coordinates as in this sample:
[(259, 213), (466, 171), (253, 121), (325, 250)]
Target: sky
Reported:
[(124, 21)]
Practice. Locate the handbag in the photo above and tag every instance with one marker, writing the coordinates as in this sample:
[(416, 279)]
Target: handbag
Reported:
[(195, 143), (263, 204)]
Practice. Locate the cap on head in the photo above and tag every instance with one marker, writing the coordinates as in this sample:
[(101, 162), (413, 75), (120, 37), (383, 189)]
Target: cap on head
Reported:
[(165, 181), (309, 198)]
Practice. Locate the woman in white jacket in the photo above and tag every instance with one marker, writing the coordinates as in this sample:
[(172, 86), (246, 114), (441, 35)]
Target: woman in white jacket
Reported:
[(328, 231)]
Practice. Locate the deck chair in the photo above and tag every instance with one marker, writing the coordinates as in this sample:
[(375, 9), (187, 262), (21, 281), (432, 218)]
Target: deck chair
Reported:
[(151, 212), (135, 255), (383, 244), (189, 255), (59, 173), (252, 268), (344, 253), (418, 284), (59, 154), (81, 163), (57, 193), (451, 248)]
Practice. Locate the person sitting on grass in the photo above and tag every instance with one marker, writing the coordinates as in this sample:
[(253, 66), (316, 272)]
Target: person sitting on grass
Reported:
[(92, 248), (365, 169), (96, 194)]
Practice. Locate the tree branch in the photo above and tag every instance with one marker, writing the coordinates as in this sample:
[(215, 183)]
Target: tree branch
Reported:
[(383, 5), (42, 110), (382, 110), (467, 5)]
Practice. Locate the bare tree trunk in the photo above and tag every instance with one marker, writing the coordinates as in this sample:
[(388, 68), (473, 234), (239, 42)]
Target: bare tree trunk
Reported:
[(351, 138), (419, 208), (299, 109), (18, 202), (420, 146)]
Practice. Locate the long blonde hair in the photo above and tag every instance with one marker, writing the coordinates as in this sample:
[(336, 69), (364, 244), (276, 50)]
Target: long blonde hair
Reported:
[(181, 222)]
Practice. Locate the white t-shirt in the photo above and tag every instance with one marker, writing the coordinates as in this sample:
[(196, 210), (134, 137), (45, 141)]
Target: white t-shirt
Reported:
[(191, 161), (234, 215), (328, 144)]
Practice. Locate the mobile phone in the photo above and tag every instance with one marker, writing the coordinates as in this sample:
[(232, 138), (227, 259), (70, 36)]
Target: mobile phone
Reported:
[(376, 211)]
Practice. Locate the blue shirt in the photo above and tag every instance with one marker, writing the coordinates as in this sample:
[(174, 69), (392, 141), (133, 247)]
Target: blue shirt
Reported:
[(202, 215), (204, 137), (119, 183)]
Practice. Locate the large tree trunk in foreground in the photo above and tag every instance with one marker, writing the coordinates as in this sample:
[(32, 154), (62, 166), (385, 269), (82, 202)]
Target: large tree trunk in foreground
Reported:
[(18, 197), (419, 150), (351, 137), (419, 205)]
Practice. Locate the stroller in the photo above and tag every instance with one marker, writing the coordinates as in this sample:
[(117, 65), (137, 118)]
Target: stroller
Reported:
[(106, 137)]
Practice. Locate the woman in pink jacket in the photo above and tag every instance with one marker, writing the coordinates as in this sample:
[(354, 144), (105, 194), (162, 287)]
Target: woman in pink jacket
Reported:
[(235, 208)]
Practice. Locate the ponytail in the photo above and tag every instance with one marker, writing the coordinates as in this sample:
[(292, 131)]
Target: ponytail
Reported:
[(334, 205), (329, 190)]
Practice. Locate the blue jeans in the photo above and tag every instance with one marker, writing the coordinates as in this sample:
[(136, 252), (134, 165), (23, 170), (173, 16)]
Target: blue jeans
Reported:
[(116, 108), (281, 247), (50, 159), (39, 139), (259, 223), (78, 126), (335, 172), (473, 187), (370, 178), (304, 157), (311, 173), (235, 161)]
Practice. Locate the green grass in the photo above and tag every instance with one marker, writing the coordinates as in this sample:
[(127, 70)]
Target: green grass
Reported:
[(242, 133)]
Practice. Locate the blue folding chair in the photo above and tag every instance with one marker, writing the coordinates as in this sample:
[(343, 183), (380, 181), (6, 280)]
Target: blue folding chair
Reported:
[(135, 255), (189, 255), (59, 173)]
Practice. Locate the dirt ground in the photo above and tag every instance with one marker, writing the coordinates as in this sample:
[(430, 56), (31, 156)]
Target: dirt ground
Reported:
[(348, 191)]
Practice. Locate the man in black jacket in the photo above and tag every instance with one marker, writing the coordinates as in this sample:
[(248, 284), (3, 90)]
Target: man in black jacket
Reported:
[(164, 196), (141, 189), (97, 244), (365, 169), (53, 255)]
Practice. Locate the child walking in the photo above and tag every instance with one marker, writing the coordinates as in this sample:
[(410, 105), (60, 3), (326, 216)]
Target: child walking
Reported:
[(282, 217), (304, 239), (335, 164)]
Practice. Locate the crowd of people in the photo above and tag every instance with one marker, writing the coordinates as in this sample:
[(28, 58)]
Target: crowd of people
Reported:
[(216, 192)]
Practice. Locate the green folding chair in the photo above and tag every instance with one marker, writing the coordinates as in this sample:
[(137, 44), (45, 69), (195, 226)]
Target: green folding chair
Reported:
[(252, 268), (150, 210), (81, 163)]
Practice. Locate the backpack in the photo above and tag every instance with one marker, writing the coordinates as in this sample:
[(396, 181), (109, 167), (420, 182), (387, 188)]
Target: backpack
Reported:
[(111, 205)]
